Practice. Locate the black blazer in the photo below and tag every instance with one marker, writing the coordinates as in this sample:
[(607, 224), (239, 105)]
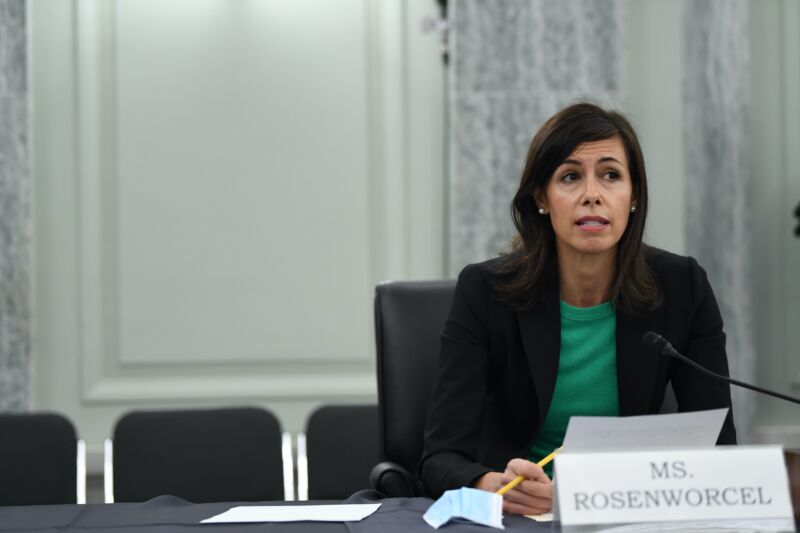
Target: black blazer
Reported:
[(497, 368)]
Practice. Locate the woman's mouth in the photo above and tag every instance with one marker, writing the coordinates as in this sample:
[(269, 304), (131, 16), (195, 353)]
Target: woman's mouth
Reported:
[(592, 224)]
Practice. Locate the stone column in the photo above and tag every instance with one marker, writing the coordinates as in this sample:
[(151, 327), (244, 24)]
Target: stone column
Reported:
[(15, 212), (513, 64), (717, 169)]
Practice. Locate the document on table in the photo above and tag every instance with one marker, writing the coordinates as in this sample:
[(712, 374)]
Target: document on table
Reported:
[(294, 513), (544, 517), (679, 430)]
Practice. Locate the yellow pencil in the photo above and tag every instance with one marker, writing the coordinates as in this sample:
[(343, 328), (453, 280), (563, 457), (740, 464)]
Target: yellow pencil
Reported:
[(520, 479)]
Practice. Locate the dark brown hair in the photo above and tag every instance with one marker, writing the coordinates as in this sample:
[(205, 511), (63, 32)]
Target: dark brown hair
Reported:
[(531, 264)]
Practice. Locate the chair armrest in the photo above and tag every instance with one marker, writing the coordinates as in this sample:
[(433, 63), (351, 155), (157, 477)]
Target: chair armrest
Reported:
[(394, 481)]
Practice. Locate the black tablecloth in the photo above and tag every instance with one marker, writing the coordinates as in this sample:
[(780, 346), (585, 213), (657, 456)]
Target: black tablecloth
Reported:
[(168, 513)]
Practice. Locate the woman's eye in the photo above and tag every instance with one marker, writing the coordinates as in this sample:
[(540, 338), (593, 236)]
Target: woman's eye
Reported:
[(611, 175), (569, 177)]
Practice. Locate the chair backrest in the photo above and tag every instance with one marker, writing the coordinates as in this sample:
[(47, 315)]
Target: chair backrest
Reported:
[(38, 459), (203, 455), (341, 449), (409, 319)]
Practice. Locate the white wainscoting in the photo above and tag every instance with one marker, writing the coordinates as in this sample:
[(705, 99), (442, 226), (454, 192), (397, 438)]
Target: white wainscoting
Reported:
[(218, 187)]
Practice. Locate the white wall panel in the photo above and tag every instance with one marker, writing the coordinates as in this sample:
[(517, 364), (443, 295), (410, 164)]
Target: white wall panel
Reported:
[(654, 105), (216, 199), (242, 181), (776, 192)]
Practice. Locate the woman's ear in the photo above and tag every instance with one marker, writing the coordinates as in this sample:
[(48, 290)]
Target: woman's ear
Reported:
[(541, 201)]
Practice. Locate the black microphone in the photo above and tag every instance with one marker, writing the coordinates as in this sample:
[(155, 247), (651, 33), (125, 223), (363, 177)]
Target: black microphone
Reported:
[(656, 342)]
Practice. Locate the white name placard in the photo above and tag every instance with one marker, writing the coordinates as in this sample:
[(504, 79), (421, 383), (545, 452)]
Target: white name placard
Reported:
[(722, 483)]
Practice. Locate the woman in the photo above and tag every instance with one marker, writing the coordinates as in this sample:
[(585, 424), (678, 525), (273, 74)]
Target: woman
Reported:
[(554, 327)]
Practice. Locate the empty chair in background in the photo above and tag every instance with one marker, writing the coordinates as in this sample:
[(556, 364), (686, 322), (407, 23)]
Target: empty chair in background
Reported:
[(409, 319), (42, 461), (201, 455), (337, 452)]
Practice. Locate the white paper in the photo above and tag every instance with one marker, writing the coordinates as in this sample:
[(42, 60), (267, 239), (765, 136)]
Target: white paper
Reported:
[(544, 517), (294, 513), (680, 430)]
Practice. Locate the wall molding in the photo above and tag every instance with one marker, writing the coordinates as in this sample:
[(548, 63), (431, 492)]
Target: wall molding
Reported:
[(103, 363), (263, 387)]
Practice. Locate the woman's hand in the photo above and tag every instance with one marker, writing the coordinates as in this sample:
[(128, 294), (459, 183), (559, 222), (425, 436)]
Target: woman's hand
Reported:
[(532, 496)]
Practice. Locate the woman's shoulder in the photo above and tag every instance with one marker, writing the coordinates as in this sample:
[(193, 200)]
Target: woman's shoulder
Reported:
[(479, 275), (480, 279), (675, 271), (664, 262), (483, 270)]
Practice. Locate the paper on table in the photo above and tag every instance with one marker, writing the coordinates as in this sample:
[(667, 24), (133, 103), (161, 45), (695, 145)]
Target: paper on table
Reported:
[(679, 430), (294, 513), (544, 517)]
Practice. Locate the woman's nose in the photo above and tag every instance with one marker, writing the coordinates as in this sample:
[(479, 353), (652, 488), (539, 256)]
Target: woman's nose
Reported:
[(590, 190)]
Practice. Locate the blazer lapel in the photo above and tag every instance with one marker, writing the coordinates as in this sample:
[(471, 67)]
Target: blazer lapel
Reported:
[(636, 365), (540, 328)]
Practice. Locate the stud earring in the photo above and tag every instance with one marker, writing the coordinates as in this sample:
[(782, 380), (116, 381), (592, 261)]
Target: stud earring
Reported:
[(541, 211), (633, 208)]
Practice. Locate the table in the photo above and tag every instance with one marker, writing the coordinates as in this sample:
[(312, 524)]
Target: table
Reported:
[(169, 513)]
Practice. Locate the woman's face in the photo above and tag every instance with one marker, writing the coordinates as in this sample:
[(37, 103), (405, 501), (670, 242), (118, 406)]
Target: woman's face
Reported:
[(589, 198)]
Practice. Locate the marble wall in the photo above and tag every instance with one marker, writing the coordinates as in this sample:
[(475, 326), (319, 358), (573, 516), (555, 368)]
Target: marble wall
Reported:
[(513, 64), (15, 216), (717, 169)]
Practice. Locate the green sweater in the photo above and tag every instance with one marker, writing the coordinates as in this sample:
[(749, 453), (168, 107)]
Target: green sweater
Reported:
[(586, 384)]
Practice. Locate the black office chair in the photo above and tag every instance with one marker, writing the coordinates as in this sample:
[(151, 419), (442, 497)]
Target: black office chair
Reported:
[(42, 462), (337, 452), (204, 455), (409, 318)]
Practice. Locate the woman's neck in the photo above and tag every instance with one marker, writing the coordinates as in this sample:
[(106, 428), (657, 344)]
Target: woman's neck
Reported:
[(585, 279)]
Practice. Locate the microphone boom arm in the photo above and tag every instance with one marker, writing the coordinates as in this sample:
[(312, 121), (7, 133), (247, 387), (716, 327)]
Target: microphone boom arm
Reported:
[(657, 343), (674, 353)]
